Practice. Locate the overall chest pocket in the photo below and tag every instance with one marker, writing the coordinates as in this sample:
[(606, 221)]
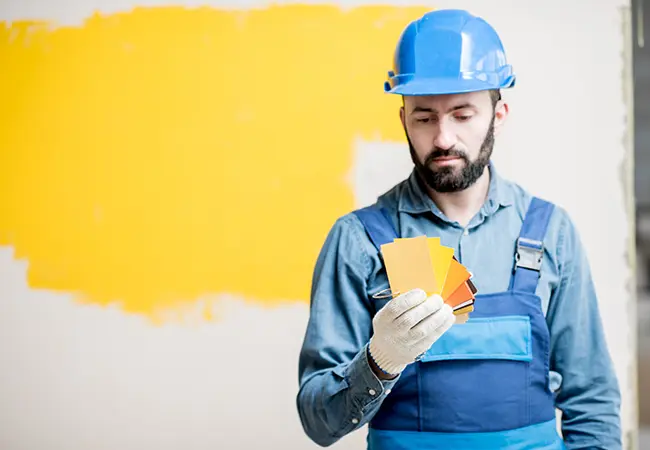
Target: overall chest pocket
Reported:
[(501, 337)]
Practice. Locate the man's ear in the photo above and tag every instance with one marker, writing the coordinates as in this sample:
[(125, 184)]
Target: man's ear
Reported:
[(501, 111), (402, 116)]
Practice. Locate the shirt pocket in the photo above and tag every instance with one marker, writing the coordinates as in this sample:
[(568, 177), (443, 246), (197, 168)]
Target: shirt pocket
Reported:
[(502, 337)]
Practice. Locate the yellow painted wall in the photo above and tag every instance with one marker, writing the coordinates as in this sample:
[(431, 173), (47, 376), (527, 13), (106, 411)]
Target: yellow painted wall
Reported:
[(152, 157)]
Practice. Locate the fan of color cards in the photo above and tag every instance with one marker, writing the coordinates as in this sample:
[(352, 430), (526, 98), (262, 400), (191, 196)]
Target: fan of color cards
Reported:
[(422, 262)]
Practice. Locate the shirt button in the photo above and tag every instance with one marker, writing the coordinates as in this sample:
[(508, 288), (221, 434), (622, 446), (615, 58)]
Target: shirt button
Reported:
[(465, 232), (372, 392), (355, 421)]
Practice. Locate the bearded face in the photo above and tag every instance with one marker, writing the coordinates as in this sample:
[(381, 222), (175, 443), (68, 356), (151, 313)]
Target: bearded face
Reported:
[(451, 138)]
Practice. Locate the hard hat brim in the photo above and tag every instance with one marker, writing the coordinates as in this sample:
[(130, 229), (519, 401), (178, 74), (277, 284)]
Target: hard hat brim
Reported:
[(441, 86)]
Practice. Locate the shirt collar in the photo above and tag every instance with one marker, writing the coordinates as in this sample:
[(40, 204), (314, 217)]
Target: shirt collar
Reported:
[(415, 200)]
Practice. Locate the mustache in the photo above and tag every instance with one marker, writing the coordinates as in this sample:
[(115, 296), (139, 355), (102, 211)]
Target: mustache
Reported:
[(444, 153)]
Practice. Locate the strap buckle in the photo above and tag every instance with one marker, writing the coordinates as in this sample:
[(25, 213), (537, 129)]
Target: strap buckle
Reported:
[(529, 254)]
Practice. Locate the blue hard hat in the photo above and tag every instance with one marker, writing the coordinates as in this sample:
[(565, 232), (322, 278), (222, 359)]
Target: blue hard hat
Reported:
[(448, 51)]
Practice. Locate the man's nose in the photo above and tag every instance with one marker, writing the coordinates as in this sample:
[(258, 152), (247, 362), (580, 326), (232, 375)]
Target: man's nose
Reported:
[(444, 137)]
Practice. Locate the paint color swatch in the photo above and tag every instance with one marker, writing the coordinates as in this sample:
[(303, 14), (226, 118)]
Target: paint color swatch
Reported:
[(441, 258), (422, 262), (456, 276), (410, 264)]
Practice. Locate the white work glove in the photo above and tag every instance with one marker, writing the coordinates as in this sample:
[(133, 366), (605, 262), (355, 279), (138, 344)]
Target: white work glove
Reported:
[(406, 327)]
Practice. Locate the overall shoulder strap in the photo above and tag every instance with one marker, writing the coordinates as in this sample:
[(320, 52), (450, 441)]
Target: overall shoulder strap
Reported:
[(378, 225), (530, 246)]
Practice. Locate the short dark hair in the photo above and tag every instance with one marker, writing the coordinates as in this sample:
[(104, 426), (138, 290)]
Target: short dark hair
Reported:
[(495, 96)]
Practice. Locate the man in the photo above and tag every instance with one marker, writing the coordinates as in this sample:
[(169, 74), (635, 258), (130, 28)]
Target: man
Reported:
[(534, 342)]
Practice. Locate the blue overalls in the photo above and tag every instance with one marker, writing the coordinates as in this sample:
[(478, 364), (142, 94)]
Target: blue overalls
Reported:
[(484, 384)]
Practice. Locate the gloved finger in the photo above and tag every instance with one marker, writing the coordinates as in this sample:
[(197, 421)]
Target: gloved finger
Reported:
[(424, 344), (413, 316), (404, 302), (448, 323), (435, 324)]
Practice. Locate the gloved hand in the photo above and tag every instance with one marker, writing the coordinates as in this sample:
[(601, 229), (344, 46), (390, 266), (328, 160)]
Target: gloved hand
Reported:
[(406, 327)]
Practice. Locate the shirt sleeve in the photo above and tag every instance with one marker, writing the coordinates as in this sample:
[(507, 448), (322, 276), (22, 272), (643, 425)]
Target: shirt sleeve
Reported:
[(339, 392), (589, 395)]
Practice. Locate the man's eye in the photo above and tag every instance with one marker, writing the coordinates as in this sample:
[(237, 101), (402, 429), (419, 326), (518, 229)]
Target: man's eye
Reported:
[(422, 120), (463, 118)]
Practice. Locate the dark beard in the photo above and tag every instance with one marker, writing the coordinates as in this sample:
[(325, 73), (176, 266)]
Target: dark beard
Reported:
[(446, 179)]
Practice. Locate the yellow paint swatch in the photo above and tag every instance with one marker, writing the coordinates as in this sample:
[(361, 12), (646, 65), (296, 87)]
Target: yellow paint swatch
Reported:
[(465, 310), (156, 156), (441, 257), (408, 265), (460, 296)]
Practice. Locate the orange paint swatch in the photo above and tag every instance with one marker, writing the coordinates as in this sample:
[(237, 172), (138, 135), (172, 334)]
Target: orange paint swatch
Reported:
[(461, 295), (456, 276)]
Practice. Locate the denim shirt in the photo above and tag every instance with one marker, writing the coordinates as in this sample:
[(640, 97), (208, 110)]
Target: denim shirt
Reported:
[(340, 393)]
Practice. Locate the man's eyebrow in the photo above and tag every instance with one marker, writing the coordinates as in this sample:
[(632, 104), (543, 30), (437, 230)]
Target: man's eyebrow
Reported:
[(462, 106), (418, 109)]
